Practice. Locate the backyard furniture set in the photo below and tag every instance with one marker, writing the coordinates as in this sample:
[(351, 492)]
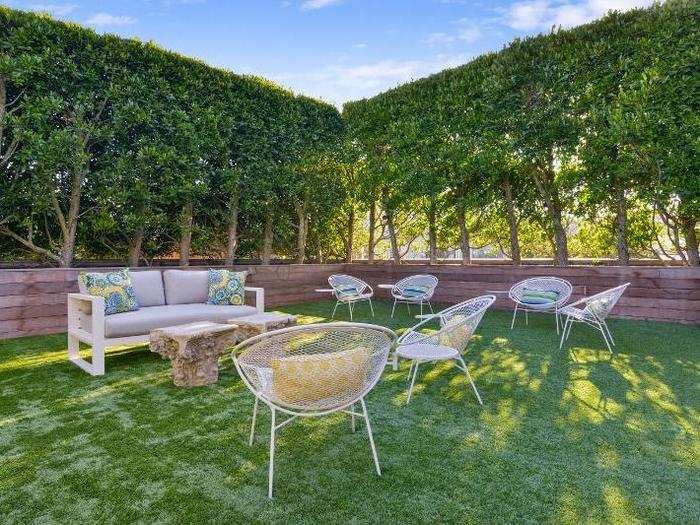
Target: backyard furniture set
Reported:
[(301, 371)]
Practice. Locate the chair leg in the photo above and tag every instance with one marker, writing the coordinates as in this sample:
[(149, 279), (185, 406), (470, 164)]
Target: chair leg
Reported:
[(371, 308), (334, 309), (371, 438), (395, 366), (252, 424), (515, 312), (556, 319), (605, 325), (408, 307), (350, 308), (466, 371), (393, 308), (431, 307), (421, 308), (605, 337), (410, 371), (352, 417), (564, 330), (271, 470), (527, 321), (413, 380)]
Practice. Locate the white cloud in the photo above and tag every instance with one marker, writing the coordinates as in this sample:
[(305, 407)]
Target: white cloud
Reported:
[(541, 15), (360, 45), (338, 83), (467, 31), (54, 9), (311, 5), (105, 19)]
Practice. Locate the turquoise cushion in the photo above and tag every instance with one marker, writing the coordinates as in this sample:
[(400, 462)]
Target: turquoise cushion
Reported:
[(348, 290), (115, 287), (539, 297), (414, 291), (226, 287)]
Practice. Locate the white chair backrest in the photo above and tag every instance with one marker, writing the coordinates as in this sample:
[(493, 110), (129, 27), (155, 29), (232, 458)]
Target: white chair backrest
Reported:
[(601, 304), (457, 324), (344, 284), (542, 284), (425, 282), (315, 368)]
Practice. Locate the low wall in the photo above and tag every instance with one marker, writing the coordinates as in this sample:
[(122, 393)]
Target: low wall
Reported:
[(661, 294), (33, 301)]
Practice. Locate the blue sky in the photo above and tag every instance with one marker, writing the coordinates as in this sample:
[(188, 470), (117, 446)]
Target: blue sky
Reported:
[(335, 50)]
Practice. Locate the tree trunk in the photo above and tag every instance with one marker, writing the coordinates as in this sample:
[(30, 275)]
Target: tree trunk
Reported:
[(687, 224), (349, 233), (267, 238), (186, 234), (432, 234), (303, 226), (623, 253), (372, 227), (464, 246), (512, 222), (544, 180), (135, 247), (389, 213), (71, 223), (232, 244)]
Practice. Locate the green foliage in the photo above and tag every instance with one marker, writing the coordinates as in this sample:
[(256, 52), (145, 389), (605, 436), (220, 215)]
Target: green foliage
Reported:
[(121, 140)]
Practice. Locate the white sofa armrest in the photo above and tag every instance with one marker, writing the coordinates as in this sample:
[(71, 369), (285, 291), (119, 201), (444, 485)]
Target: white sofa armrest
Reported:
[(80, 306), (259, 297)]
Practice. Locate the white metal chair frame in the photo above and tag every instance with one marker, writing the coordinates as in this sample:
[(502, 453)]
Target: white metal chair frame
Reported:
[(384, 336), (594, 312), (543, 284), (364, 292), (429, 282), (467, 314)]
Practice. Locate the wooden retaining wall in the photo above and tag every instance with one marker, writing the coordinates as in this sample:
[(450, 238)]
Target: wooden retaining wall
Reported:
[(33, 301), (660, 294)]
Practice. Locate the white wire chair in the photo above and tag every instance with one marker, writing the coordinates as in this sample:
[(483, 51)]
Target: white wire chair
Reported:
[(415, 289), (595, 310), (350, 290), (313, 370), (559, 286), (457, 326)]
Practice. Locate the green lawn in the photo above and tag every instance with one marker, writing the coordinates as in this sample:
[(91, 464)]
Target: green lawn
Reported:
[(564, 436)]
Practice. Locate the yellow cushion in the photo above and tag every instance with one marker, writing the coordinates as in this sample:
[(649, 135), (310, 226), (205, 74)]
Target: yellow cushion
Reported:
[(304, 379), (457, 337)]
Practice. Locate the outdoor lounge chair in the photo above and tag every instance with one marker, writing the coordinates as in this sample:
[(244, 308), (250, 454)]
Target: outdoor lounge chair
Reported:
[(594, 311), (313, 370), (540, 294), (415, 289), (457, 326), (350, 290)]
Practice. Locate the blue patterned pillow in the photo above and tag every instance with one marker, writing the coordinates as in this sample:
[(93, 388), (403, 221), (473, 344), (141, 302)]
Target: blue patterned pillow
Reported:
[(226, 287), (115, 287)]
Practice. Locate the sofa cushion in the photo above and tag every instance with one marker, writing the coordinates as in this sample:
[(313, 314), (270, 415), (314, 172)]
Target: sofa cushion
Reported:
[(146, 319), (148, 286), (186, 287), (115, 287)]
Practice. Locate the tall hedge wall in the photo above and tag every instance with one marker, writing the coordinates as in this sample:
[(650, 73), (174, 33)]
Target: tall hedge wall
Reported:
[(598, 122), (111, 146)]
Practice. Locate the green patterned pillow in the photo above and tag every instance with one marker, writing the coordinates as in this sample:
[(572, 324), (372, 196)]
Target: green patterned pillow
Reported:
[(115, 287), (226, 287)]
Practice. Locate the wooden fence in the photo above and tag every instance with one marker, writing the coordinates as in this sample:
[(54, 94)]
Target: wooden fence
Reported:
[(33, 301)]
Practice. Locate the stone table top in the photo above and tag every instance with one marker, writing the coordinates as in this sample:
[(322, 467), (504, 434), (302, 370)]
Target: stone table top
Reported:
[(184, 332), (264, 319)]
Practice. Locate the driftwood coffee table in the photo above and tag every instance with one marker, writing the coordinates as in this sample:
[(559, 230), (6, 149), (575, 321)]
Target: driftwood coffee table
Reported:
[(194, 350)]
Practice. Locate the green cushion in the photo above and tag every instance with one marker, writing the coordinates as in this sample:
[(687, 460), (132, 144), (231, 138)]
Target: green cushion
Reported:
[(226, 287), (539, 297), (115, 287)]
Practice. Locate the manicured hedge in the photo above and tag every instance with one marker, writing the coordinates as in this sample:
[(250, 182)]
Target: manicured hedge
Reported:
[(599, 122), (111, 146)]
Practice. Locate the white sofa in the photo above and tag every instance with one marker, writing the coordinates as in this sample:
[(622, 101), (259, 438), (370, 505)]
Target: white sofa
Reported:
[(165, 298)]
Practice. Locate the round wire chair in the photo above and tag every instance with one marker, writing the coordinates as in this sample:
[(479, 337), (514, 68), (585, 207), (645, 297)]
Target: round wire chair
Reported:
[(313, 370), (350, 290), (561, 287), (414, 289), (457, 326)]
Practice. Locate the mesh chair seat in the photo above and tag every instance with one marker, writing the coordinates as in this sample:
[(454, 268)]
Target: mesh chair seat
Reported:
[(427, 352)]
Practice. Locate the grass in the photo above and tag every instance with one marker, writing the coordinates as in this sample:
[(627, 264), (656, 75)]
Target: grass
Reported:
[(564, 436)]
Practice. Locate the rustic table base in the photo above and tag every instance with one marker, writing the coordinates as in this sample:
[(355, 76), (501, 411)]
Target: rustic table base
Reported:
[(194, 350), (252, 325)]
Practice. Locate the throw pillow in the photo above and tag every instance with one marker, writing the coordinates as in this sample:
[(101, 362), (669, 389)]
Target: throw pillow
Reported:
[(115, 287), (226, 287)]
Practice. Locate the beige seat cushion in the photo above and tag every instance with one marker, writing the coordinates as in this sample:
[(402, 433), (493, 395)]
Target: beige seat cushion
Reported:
[(142, 321), (186, 286), (304, 379)]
